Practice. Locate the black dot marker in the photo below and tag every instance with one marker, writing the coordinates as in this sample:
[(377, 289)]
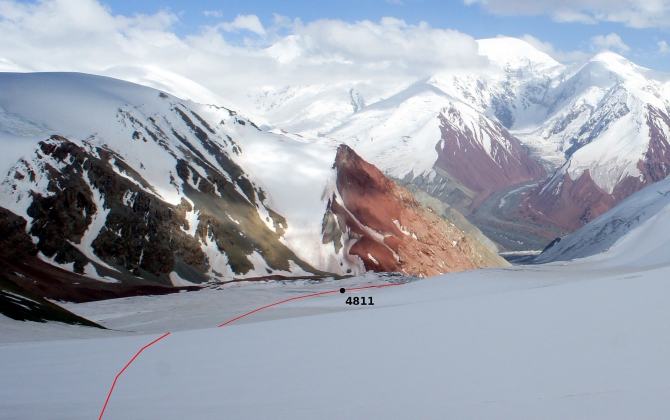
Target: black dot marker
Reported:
[(342, 290)]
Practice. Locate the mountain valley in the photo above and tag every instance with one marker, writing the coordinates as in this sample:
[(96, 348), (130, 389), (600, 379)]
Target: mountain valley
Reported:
[(104, 172), (117, 190), (478, 243)]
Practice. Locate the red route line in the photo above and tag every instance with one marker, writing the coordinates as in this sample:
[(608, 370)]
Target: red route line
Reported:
[(233, 320), (306, 296), (126, 367)]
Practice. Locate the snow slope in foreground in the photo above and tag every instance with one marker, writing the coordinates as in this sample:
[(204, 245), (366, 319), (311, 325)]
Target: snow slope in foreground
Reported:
[(559, 342)]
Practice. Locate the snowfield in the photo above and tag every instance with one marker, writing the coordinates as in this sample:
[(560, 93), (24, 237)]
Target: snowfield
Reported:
[(566, 340)]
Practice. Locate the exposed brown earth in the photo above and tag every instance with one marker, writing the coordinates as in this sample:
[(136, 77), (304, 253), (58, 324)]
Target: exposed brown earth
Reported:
[(570, 205), (462, 156), (381, 223), (45, 280)]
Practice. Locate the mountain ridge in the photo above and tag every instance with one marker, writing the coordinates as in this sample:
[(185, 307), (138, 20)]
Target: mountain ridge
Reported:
[(600, 123), (127, 185)]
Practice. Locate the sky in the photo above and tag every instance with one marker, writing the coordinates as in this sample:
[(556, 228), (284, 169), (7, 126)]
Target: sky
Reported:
[(232, 46), (567, 25)]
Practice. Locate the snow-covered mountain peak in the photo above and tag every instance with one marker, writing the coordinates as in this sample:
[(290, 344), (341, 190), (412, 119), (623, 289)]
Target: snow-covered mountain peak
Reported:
[(178, 86), (613, 60), (608, 119), (515, 54), (285, 50), (607, 69)]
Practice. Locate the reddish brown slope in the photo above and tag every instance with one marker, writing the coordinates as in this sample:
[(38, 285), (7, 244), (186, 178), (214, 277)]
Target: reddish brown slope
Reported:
[(462, 155), (568, 204), (381, 223)]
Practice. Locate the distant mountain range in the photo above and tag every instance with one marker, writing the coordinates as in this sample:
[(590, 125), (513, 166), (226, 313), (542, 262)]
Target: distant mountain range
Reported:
[(112, 189), (598, 128)]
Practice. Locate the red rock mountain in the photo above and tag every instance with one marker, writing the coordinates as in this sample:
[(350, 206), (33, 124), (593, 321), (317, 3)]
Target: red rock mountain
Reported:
[(380, 222)]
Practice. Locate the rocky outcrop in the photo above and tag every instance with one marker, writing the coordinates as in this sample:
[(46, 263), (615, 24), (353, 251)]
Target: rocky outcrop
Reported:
[(106, 220), (15, 243), (85, 193), (381, 223), (18, 304), (23, 274)]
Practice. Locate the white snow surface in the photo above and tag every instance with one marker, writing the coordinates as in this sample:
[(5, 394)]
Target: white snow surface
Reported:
[(579, 339), (9, 66), (552, 342), (398, 134)]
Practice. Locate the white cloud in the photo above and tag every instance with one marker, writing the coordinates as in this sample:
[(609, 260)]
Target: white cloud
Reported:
[(663, 47), (83, 35), (213, 13), (560, 56), (610, 42), (573, 16), (246, 22), (389, 43), (282, 21), (634, 13)]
